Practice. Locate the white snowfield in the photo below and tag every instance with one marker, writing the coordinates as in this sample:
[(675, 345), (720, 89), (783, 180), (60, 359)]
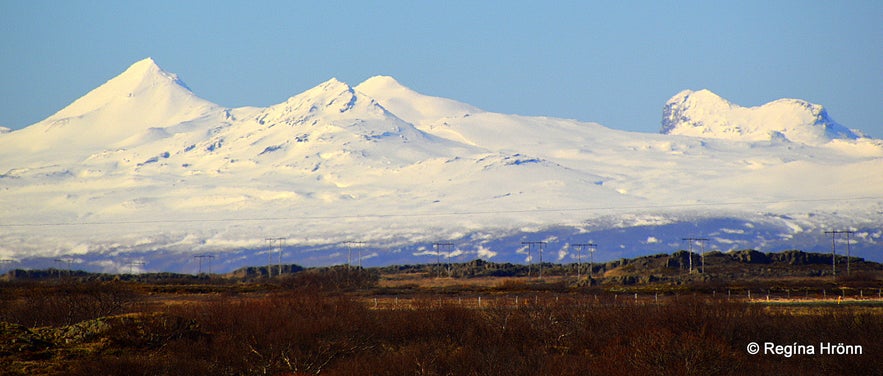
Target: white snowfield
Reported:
[(141, 170)]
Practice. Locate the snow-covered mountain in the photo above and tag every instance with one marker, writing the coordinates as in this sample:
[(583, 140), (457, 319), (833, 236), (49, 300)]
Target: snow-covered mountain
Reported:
[(705, 114), (411, 106), (142, 98), (141, 169)]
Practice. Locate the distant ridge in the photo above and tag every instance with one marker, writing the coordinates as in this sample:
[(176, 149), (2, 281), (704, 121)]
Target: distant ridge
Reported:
[(142, 168), (730, 268), (705, 114)]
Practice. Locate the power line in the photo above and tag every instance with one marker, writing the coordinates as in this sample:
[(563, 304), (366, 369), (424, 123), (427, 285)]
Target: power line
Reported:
[(67, 260), (702, 256), (530, 246), (200, 258), (580, 247), (280, 243), (349, 250), (133, 264), (6, 261), (834, 234), (438, 247)]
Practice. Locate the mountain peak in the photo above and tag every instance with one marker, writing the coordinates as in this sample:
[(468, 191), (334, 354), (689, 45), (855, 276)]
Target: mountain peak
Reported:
[(143, 65), (324, 95), (332, 85), (147, 69), (410, 105), (141, 97), (702, 99), (143, 79), (378, 83), (705, 114), (333, 98)]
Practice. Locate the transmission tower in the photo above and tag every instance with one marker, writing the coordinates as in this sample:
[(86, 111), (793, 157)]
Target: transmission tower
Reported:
[(349, 250), (438, 250), (530, 246), (199, 258), (68, 261), (702, 256), (834, 234), (579, 257), (274, 244), (133, 264), (6, 261)]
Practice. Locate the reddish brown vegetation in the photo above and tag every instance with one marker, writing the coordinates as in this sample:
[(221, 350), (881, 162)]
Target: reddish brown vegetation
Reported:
[(319, 330)]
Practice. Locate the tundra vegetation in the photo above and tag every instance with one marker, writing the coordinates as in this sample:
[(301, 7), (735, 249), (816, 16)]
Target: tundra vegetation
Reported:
[(640, 316)]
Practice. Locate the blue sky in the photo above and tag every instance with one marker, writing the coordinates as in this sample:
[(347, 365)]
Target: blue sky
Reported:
[(612, 62)]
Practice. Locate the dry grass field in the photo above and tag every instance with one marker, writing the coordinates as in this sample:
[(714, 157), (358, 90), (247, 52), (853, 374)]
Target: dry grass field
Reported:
[(410, 321)]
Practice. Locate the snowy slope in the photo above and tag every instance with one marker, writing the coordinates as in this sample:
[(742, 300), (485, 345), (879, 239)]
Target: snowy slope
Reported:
[(142, 169), (705, 114), (143, 97), (411, 106)]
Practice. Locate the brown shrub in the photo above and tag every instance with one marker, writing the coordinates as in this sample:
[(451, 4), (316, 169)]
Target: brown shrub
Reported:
[(41, 304), (312, 331)]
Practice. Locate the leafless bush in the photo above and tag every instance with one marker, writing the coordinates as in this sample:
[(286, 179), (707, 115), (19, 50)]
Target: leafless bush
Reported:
[(42, 304), (336, 278), (314, 331)]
